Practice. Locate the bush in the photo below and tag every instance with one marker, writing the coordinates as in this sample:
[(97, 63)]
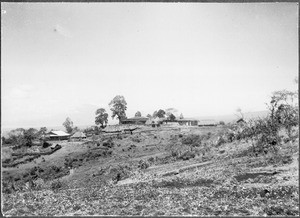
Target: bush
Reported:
[(108, 143), (220, 141), (135, 139), (222, 123), (175, 153), (46, 144), (56, 185), (263, 132), (120, 172), (193, 140), (143, 164), (187, 155), (151, 159)]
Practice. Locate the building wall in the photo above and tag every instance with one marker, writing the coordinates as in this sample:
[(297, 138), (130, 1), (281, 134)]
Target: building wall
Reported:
[(59, 137)]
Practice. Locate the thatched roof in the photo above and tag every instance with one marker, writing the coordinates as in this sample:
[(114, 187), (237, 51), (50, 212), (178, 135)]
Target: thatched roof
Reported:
[(58, 133), (78, 135), (136, 119), (207, 122)]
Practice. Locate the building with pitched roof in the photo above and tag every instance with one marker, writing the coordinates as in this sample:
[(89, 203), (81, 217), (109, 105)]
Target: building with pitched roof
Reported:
[(58, 135), (207, 123), (135, 120), (78, 135)]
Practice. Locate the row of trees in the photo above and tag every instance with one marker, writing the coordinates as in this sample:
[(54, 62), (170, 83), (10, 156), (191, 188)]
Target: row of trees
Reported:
[(24, 137), (118, 106)]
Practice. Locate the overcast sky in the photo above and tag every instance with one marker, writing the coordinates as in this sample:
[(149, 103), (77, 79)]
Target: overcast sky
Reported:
[(68, 59)]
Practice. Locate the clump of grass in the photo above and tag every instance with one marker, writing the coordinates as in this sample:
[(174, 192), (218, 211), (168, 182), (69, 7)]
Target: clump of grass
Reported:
[(143, 164), (119, 172), (151, 159), (191, 139), (108, 143), (56, 185)]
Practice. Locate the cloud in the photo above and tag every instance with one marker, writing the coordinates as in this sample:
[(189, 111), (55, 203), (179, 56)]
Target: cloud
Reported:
[(62, 31), (22, 91)]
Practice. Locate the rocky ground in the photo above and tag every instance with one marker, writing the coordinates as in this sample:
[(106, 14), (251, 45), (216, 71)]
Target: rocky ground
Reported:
[(160, 171)]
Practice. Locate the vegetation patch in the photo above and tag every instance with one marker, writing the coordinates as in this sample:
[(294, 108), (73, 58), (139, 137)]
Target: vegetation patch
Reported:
[(183, 183), (246, 176)]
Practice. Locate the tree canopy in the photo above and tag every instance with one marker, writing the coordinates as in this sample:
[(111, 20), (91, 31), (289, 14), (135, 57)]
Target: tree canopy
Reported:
[(138, 114), (161, 113), (172, 117), (101, 117), (68, 124), (154, 114), (118, 106)]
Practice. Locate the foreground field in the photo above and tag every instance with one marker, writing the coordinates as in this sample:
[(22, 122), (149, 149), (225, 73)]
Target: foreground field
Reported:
[(156, 171)]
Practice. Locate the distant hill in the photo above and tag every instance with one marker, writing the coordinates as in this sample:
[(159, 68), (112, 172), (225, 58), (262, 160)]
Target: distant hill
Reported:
[(225, 118), (232, 117)]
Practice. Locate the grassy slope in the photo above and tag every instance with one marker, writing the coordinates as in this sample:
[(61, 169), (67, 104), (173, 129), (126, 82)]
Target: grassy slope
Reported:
[(224, 181)]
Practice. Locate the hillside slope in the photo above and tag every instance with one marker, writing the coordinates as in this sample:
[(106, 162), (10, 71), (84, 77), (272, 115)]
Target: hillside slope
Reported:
[(162, 171)]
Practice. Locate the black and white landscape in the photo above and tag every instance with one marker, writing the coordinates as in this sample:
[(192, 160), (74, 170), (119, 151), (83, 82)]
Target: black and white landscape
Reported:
[(149, 109)]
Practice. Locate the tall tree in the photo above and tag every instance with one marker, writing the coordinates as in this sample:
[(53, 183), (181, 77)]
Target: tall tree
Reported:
[(172, 117), (101, 117), (16, 136), (138, 114), (161, 113), (29, 135), (154, 114), (118, 106), (181, 116), (68, 124), (170, 111), (43, 130)]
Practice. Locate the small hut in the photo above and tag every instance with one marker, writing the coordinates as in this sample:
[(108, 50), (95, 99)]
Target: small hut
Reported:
[(207, 123), (135, 120), (78, 136), (188, 122), (57, 135)]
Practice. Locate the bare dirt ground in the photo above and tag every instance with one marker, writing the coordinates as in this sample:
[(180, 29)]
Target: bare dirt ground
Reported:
[(155, 171)]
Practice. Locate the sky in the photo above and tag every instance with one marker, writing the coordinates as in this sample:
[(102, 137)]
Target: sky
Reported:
[(62, 60)]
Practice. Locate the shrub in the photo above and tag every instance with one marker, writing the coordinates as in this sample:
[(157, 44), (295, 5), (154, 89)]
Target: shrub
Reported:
[(46, 144), (263, 133), (120, 172), (220, 141), (187, 155), (151, 159), (108, 143), (193, 140), (135, 139), (143, 164), (175, 153), (56, 185)]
